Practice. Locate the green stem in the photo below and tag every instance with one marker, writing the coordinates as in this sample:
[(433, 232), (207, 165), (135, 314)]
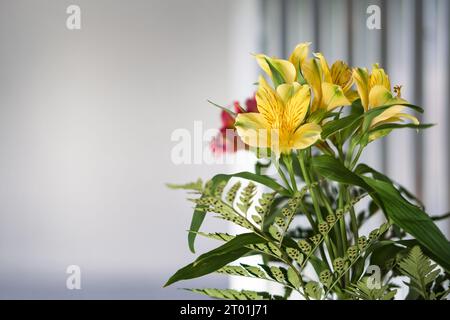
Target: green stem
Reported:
[(288, 161), (315, 205), (353, 219), (330, 211), (355, 160), (282, 175)]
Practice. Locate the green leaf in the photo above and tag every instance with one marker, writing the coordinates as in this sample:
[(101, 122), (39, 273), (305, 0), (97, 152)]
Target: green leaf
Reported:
[(363, 168), (346, 122), (420, 270), (293, 278), (441, 217), (217, 236), (217, 258), (374, 112), (246, 197), (333, 169), (231, 113), (390, 126), (314, 290), (256, 272), (262, 179), (404, 214), (413, 220), (337, 125), (277, 78), (197, 219), (231, 194), (361, 291)]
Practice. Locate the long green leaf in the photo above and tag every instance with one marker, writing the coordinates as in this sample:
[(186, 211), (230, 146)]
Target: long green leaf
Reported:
[(374, 112), (333, 169), (197, 219), (231, 113), (336, 125), (217, 258), (405, 215), (364, 168), (390, 126), (413, 220)]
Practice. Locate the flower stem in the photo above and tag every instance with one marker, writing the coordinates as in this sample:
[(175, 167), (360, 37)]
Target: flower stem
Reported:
[(315, 205), (288, 161), (282, 175)]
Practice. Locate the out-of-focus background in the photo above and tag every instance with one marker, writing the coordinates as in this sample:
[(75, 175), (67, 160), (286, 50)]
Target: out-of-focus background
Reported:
[(86, 118)]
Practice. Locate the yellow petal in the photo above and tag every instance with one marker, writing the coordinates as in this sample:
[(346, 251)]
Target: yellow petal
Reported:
[(285, 68), (379, 78), (333, 96), (285, 91), (296, 108), (378, 134), (299, 55), (361, 78), (387, 114), (262, 62), (313, 75), (380, 96), (351, 95), (408, 116), (305, 136), (269, 103), (398, 117), (341, 74), (324, 66), (253, 129)]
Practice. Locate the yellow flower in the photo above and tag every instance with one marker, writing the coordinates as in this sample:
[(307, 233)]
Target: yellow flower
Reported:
[(281, 71), (328, 86), (331, 88), (375, 90), (341, 74), (279, 125), (298, 57)]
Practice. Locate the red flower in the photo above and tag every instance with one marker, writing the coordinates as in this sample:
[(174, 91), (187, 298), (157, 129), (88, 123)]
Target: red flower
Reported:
[(227, 140)]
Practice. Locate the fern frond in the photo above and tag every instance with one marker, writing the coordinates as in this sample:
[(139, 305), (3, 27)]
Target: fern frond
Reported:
[(314, 290), (286, 277), (361, 291), (217, 236), (231, 294), (195, 186), (263, 209), (231, 194), (420, 270), (245, 199)]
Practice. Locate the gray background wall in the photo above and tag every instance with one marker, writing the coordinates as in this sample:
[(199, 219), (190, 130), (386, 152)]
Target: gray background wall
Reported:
[(85, 123)]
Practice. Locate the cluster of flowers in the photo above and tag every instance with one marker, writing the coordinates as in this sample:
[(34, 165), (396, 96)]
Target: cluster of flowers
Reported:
[(289, 114)]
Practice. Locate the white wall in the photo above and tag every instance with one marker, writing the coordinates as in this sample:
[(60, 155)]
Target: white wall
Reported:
[(85, 124)]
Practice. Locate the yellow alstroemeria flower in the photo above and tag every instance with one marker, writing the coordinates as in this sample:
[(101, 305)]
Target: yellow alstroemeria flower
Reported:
[(299, 56), (284, 68), (341, 74), (330, 87), (375, 90), (279, 125)]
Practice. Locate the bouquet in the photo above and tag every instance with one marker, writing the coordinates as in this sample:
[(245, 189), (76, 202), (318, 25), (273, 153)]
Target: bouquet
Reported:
[(311, 123)]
